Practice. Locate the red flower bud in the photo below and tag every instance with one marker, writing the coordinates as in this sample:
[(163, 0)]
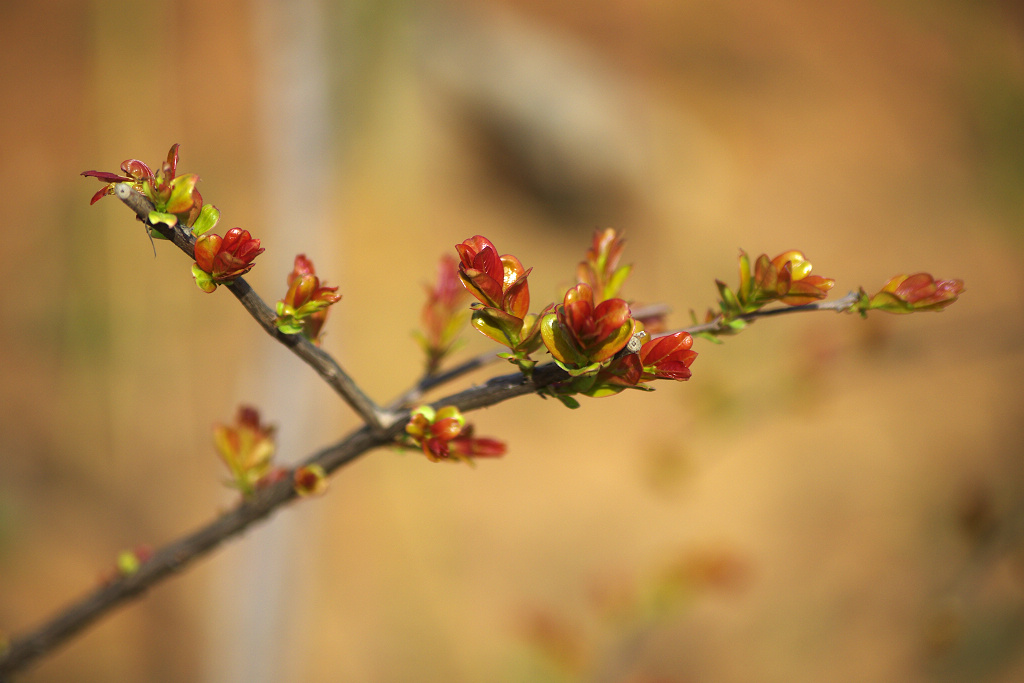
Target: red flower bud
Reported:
[(668, 357), (786, 278), (304, 307), (443, 434), (803, 287), (600, 271), (171, 194), (247, 448), (134, 173), (578, 333), (310, 480), (917, 292), (444, 313), (496, 281), (219, 260)]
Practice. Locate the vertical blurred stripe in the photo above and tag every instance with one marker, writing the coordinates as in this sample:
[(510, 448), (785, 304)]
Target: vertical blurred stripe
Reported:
[(257, 612)]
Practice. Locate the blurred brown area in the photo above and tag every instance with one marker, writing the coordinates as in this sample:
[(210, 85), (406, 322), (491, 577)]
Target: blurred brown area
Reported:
[(867, 475)]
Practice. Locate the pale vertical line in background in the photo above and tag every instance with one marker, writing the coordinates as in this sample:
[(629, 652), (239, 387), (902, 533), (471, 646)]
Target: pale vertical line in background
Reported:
[(256, 609)]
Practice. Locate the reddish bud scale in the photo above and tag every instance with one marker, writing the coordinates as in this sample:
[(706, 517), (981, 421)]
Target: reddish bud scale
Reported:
[(310, 480), (444, 434), (173, 195), (496, 281), (668, 357), (917, 292), (600, 269), (304, 307), (444, 313), (246, 448), (226, 258), (578, 333)]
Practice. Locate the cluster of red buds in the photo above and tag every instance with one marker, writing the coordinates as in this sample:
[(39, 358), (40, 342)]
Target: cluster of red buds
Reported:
[(174, 198), (220, 260), (786, 278), (303, 310), (443, 434), (912, 293), (247, 449), (501, 311), (444, 314), (592, 334)]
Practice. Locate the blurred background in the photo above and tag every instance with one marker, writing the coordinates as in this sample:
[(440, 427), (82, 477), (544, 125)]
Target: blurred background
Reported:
[(828, 498)]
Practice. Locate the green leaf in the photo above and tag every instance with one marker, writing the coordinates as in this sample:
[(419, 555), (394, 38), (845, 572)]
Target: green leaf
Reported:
[(602, 390), (181, 199), (613, 343), (289, 324), (729, 302), (521, 359), (498, 325), (746, 284), (208, 218), (558, 343), (611, 288), (426, 411), (310, 307), (168, 219), (710, 337), (568, 401), (585, 371), (530, 339), (203, 279)]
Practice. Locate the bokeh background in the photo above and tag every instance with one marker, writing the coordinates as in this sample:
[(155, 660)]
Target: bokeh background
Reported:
[(827, 499)]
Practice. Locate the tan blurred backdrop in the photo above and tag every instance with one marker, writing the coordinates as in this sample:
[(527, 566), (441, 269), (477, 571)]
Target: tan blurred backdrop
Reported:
[(844, 496)]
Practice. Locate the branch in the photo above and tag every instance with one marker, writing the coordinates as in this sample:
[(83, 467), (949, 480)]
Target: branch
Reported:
[(436, 379), (379, 419), (431, 381), (383, 426), (719, 326), (169, 560), (177, 555)]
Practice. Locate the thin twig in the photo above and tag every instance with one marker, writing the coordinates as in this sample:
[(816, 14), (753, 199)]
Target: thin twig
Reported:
[(175, 556), (379, 419), (717, 325), (430, 381), (436, 379)]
